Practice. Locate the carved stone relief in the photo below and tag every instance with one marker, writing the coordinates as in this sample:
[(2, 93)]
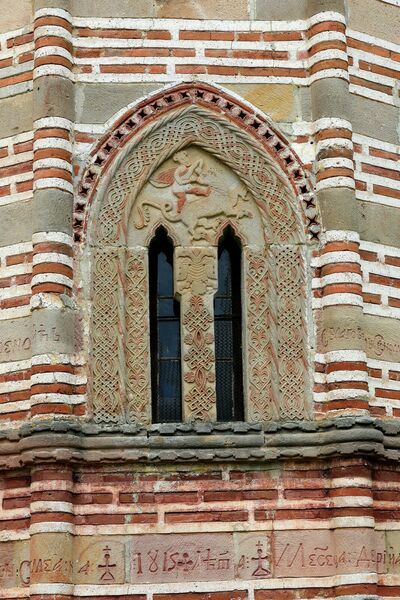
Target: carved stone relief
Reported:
[(196, 198), (164, 139), (107, 342), (261, 337), (194, 192), (137, 338), (292, 338), (199, 400)]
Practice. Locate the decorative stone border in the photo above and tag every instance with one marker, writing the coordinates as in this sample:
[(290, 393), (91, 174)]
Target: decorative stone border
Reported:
[(206, 96)]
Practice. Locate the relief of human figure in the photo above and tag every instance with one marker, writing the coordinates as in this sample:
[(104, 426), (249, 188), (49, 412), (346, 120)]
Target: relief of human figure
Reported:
[(182, 178)]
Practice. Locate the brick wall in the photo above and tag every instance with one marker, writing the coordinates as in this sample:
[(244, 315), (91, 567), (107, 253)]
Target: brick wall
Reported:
[(323, 509)]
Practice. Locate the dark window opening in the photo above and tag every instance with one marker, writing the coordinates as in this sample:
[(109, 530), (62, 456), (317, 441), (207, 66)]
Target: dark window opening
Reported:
[(228, 330), (165, 339)]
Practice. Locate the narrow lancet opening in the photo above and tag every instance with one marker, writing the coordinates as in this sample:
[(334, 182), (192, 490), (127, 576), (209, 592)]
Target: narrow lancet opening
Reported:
[(165, 341), (228, 330)]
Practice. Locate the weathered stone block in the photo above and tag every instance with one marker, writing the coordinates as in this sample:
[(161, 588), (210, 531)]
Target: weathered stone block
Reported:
[(375, 18), (276, 10), (276, 100), (202, 9), (95, 103), (15, 14)]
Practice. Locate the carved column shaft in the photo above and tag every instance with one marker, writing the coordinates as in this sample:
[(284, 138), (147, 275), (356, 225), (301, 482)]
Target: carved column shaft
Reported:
[(196, 282)]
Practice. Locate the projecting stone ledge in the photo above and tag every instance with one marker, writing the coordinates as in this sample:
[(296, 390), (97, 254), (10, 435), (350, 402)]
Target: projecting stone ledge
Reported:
[(76, 442)]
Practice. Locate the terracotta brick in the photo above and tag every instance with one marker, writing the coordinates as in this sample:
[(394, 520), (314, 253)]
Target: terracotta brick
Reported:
[(51, 40), (158, 34), (328, 45), (368, 255), (19, 40), (232, 496), (53, 60), (52, 20), (210, 516), (220, 70), (330, 63), (383, 280), (122, 68), (386, 191), (234, 595), (378, 50), (53, 247), (372, 298), (52, 495), (373, 68), (53, 172), (381, 171), (395, 302), (279, 36), (378, 87), (345, 366), (326, 26), (392, 260), (248, 36), (341, 268), (384, 154), (228, 36), (110, 33), (17, 502), (195, 35), (17, 169), (342, 288), (93, 498), (187, 69)]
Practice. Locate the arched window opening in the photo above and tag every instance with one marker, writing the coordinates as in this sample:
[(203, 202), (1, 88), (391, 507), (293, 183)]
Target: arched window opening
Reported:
[(228, 330), (165, 341)]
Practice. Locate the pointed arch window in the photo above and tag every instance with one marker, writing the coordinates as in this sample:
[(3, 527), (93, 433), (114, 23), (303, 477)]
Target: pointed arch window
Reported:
[(165, 339), (228, 330)]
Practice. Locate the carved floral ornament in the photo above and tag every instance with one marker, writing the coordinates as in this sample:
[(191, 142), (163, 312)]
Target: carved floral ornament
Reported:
[(195, 172)]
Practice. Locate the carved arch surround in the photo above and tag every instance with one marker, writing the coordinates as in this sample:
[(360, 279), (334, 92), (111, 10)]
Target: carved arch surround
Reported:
[(117, 142), (275, 277)]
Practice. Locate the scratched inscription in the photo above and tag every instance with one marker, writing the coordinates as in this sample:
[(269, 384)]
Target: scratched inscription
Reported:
[(169, 558)]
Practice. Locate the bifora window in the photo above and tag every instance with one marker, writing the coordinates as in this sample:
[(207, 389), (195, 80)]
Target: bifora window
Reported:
[(188, 323), (165, 339)]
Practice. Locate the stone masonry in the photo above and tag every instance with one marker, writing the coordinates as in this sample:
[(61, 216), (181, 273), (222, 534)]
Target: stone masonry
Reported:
[(278, 119)]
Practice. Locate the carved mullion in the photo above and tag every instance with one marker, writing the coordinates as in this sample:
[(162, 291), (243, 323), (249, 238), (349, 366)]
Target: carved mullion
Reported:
[(195, 283), (138, 380), (107, 336), (261, 380)]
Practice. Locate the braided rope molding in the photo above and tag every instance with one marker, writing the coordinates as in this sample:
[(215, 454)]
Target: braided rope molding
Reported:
[(275, 199), (258, 133)]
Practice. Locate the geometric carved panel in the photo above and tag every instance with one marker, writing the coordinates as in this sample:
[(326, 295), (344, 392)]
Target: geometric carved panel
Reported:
[(107, 344), (137, 338), (262, 395), (292, 337)]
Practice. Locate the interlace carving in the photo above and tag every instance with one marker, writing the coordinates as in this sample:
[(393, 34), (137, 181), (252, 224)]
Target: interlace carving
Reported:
[(292, 337), (217, 102), (189, 193), (263, 402), (199, 361), (237, 150), (107, 344), (137, 338)]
